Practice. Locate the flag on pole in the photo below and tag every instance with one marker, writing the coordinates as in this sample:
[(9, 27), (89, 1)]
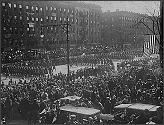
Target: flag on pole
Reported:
[(150, 46)]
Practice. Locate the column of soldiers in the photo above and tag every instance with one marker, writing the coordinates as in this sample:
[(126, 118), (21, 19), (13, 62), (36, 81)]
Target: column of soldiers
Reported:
[(91, 60), (21, 70)]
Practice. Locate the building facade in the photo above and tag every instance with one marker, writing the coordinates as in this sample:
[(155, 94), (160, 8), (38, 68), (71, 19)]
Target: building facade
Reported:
[(21, 23), (122, 29)]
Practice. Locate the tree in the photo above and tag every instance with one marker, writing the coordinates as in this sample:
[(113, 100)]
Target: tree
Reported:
[(153, 25)]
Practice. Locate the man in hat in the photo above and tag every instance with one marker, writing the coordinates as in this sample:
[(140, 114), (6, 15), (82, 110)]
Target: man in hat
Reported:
[(107, 106), (143, 118), (73, 120), (34, 110), (158, 119)]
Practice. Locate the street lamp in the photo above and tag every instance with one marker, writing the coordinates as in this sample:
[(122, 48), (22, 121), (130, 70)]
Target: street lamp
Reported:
[(65, 28)]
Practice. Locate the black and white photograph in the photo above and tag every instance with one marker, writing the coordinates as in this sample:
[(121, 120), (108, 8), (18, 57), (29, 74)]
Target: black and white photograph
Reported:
[(81, 62)]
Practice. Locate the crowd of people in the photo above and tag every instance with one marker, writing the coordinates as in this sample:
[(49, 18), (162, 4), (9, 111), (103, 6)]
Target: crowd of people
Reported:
[(45, 65), (102, 91)]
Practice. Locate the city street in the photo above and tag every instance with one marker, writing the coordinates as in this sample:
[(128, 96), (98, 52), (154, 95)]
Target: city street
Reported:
[(61, 68)]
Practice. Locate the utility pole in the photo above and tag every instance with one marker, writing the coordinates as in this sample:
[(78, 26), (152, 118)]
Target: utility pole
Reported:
[(67, 51), (66, 30)]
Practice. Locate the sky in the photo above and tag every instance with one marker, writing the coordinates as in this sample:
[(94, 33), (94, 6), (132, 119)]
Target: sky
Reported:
[(145, 7)]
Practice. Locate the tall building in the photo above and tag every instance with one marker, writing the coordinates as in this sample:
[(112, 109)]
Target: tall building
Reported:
[(121, 29), (21, 23)]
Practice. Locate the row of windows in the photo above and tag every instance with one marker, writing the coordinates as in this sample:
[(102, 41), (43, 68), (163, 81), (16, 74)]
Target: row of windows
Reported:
[(94, 23), (52, 9), (10, 5), (12, 42), (95, 15), (129, 19), (49, 19), (15, 17)]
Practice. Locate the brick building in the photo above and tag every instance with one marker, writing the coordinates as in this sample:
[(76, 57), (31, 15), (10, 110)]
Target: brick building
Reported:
[(21, 23), (119, 29)]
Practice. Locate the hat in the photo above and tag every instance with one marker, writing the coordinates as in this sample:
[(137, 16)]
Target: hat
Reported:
[(72, 116), (85, 120)]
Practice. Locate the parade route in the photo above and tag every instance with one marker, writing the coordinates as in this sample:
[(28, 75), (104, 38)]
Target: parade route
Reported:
[(63, 69), (60, 68)]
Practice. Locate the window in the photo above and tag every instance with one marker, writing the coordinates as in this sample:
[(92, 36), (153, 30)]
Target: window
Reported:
[(32, 8), (41, 31), (27, 8), (51, 19), (64, 9), (8, 20), (60, 19), (46, 7), (10, 5), (60, 9), (55, 18), (41, 9), (54, 8), (32, 18), (41, 20), (4, 28), (16, 30), (76, 21), (20, 17), (64, 19), (15, 5), (51, 8), (68, 11), (72, 20), (52, 30), (72, 11), (33, 29), (28, 18), (37, 19), (20, 7), (47, 18), (3, 4), (37, 10), (28, 29), (98, 23), (15, 17)]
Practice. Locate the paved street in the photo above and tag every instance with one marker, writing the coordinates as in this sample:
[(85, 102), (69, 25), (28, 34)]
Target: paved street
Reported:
[(61, 68)]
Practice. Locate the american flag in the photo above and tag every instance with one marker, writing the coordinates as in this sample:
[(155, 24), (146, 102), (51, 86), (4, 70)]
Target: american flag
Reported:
[(150, 46)]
